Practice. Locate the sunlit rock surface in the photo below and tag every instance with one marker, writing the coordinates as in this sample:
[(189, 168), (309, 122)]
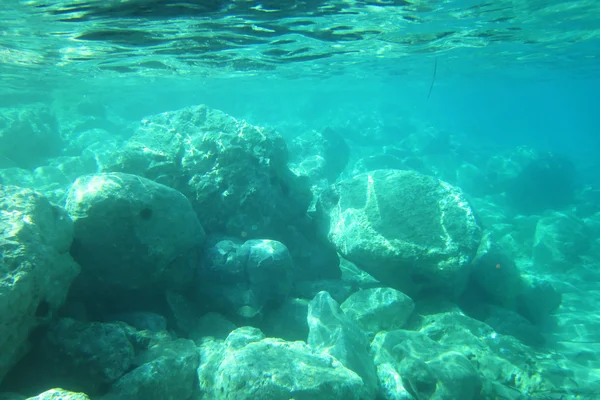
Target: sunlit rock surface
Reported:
[(59, 394), (410, 362), (378, 309), (36, 269), (410, 231), (332, 332), (250, 366), (234, 173)]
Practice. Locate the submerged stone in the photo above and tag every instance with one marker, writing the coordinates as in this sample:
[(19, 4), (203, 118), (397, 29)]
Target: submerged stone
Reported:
[(167, 371), (333, 333), (249, 366), (236, 177), (423, 368), (132, 233), (59, 394), (36, 269), (410, 231), (242, 278), (379, 309)]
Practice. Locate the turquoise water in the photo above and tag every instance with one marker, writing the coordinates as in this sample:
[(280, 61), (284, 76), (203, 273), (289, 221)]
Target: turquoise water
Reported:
[(498, 100)]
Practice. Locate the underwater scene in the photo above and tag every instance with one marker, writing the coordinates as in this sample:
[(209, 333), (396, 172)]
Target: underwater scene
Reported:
[(299, 199)]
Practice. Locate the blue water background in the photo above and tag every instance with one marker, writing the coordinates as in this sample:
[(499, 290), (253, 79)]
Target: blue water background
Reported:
[(548, 110)]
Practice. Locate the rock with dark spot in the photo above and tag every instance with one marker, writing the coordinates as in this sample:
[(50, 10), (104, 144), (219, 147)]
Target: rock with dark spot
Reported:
[(132, 233)]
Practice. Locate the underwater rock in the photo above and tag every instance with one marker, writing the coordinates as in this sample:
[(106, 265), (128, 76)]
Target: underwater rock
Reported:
[(503, 363), (410, 231), (268, 268), (29, 135), (143, 320), (561, 241), (423, 368), (378, 309), (167, 371), (497, 280), (79, 115), (100, 155), (249, 366), (432, 153), (36, 269), (547, 182), (320, 155), (388, 159), (593, 227), (212, 325), (89, 138), (491, 215), (588, 202), (59, 394), (13, 176), (502, 169), (508, 322), (339, 289), (132, 233), (495, 277), (332, 332), (53, 179), (189, 319), (471, 180), (85, 356), (287, 322), (241, 279), (356, 276), (314, 258), (235, 175), (538, 300)]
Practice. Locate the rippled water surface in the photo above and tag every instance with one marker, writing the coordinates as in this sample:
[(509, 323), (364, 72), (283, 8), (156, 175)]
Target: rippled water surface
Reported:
[(220, 37)]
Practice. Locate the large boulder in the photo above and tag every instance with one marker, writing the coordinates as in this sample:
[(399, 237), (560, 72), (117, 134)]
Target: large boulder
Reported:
[(411, 362), (236, 177), (497, 280), (250, 366), (167, 371), (36, 269), (133, 233), (79, 355), (495, 274), (410, 231), (108, 360), (445, 341), (242, 278), (234, 173)]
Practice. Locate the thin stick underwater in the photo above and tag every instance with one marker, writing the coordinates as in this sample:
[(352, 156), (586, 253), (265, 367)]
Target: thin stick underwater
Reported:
[(432, 79)]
